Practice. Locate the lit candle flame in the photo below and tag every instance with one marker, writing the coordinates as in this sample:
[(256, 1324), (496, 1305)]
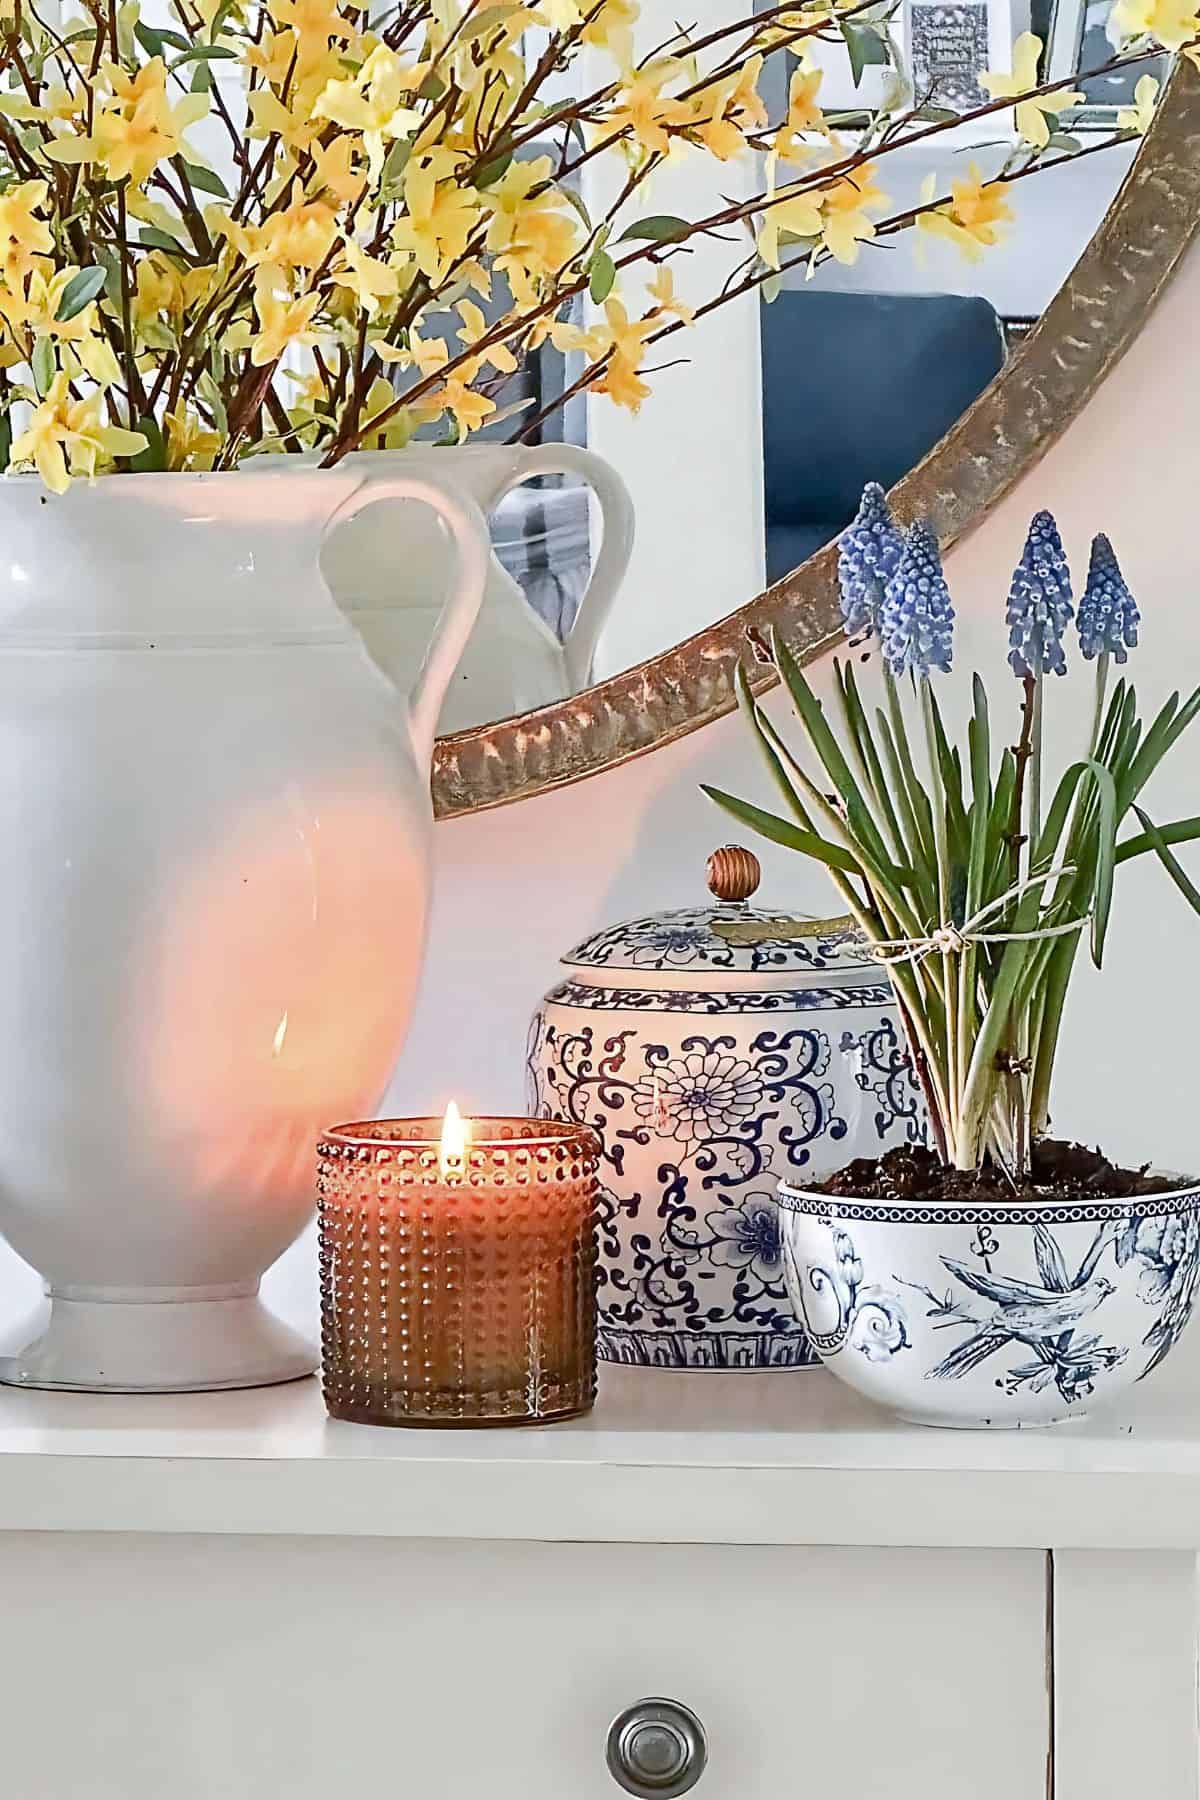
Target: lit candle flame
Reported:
[(456, 1135)]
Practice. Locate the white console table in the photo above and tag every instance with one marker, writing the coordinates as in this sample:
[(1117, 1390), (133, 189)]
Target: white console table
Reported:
[(230, 1597)]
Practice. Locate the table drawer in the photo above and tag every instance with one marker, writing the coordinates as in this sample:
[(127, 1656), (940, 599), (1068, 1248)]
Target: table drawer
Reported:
[(206, 1668)]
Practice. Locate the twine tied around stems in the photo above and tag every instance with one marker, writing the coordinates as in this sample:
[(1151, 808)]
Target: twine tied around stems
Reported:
[(950, 940)]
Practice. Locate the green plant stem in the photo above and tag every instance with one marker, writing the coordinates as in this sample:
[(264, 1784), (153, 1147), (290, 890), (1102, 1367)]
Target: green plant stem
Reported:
[(1044, 1044), (1035, 768), (870, 770), (947, 982), (913, 790), (979, 737), (881, 918), (1102, 663)]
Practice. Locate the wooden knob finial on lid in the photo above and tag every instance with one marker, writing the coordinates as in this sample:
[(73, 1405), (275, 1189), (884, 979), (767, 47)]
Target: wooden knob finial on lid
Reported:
[(733, 873)]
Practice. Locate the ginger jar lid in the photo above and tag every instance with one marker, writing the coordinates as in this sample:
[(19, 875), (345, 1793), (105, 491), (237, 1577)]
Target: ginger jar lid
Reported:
[(728, 943)]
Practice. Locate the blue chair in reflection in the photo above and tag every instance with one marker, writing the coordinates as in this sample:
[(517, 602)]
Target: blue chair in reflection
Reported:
[(856, 388)]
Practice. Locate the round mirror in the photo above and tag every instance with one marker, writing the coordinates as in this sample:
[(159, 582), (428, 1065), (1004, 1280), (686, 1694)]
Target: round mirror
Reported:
[(940, 355)]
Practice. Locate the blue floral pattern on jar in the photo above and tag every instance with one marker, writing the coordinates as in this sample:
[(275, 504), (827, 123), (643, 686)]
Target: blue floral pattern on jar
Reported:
[(689, 939), (700, 1116)]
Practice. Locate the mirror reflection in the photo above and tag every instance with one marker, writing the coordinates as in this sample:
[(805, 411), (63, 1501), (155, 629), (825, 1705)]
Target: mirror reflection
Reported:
[(982, 145)]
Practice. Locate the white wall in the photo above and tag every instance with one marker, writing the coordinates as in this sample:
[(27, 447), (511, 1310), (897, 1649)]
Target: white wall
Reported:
[(517, 886)]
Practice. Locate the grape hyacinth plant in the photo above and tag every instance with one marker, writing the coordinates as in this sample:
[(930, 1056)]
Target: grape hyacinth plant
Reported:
[(868, 553), (975, 897)]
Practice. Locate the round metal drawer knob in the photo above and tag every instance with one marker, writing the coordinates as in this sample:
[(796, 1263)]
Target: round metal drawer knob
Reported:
[(657, 1749)]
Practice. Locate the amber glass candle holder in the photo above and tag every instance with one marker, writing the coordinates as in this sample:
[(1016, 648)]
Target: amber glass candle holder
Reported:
[(460, 1294)]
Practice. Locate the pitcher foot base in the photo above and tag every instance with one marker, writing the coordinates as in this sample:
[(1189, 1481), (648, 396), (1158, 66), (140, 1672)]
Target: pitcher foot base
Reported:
[(158, 1346)]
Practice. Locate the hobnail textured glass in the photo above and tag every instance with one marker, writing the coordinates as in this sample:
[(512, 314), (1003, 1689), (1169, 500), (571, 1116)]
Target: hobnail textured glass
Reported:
[(468, 1300)]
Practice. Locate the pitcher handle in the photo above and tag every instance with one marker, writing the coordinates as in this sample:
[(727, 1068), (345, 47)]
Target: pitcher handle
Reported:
[(468, 530), (616, 544)]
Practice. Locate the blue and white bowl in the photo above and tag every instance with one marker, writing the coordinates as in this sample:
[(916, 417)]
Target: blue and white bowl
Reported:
[(710, 1068), (991, 1315)]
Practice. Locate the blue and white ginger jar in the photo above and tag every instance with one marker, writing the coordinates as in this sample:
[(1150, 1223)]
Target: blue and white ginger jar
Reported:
[(712, 1068)]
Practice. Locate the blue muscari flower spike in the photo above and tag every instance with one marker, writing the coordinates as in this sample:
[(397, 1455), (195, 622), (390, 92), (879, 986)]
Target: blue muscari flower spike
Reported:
[(916, 620), (1039, 602), (868, 552), (1108, 615)]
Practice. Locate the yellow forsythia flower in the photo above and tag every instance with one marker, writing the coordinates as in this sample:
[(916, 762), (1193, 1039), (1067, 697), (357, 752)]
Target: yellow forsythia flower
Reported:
[(366, 277), (972, 217), (645, 112), (137, 129), (729, 108), (474, 327), (67, 437), (22, 236), (281, 321), (626, 338), (1173, 22), (1030, 113), (470, 410), (440, 213), (662, 292), (1140, 115), (530, 233), (190, 443), (845, 206), (804, 115), (376, 102), (333, 166), (797, 214), (610, 27)]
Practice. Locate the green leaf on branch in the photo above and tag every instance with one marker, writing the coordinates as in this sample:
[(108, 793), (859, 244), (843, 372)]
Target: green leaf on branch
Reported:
[(201, 82), (154, 457), (491, 172), (111, 264), (42, 365), (153, 39), (1062, 140), (780, 831), (6, 438), (207, 180), (935, 115), (203, 53), (394, 165), (658, 228), (575, 199), (151, 238), (866, 48), (489, 19), (79, 292), (601, 277)]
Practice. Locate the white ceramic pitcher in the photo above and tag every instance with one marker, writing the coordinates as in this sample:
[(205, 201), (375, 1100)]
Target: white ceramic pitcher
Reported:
[(216, 819), (387, 577)]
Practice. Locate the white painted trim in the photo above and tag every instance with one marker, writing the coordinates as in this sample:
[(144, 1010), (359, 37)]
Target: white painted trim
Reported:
[(790, 1458), (1125, 1676)]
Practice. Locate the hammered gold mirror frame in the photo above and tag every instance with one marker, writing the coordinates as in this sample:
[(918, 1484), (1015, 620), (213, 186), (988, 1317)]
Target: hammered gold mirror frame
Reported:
[(1082, 334)]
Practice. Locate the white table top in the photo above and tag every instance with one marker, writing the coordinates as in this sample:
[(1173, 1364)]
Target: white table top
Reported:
[(711, 1458)]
